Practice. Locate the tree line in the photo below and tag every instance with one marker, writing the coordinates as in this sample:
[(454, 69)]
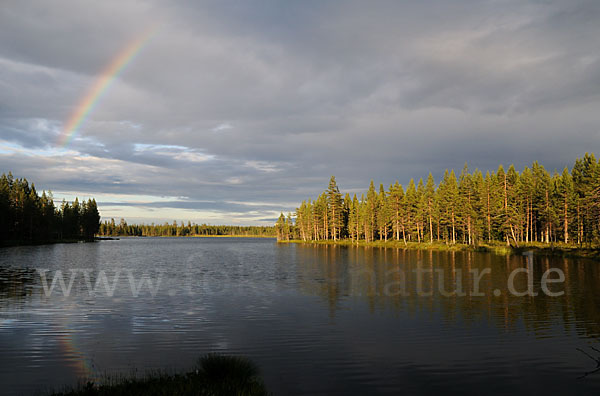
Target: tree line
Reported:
[(506, 205), (110, 228), (27, 217)]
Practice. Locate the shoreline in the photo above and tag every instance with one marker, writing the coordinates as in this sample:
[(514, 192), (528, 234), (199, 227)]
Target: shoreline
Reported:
[(8, 244), (554, 250), (185, 236), (213, 374)]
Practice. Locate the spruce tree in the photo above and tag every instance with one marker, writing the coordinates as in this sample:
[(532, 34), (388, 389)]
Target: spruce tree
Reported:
[(280, 227)]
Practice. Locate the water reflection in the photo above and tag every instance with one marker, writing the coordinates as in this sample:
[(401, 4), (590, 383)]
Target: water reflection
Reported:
[(16, 284), (418, 281), (318, 319)]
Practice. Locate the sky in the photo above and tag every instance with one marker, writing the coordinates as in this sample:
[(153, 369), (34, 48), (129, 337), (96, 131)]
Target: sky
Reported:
[(233, 111)]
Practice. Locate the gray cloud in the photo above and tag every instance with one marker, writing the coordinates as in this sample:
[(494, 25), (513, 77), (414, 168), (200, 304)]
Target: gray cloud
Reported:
[(384, 90)]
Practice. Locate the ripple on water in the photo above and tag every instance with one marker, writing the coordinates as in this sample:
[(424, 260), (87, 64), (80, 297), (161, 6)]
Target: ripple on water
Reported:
[(300, 312)]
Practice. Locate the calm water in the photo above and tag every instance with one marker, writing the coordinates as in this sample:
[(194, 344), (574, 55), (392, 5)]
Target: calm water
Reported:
[(316, 319)]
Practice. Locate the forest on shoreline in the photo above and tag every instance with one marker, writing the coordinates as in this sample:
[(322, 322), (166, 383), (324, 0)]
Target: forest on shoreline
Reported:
[(28, 217), (503, 206), (111, 228)]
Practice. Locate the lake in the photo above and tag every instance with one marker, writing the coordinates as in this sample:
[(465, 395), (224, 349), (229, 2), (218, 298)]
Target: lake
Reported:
[(316, 319)]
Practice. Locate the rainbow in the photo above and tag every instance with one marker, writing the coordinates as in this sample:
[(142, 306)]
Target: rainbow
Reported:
[(102, 83), (76, 359)]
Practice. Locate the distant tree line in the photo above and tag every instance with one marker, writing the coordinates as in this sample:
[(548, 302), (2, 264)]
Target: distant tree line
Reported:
[(110, 228), (26, 216), (505, 205)]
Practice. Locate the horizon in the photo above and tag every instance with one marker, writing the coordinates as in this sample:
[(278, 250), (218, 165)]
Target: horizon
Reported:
[(70, 198)]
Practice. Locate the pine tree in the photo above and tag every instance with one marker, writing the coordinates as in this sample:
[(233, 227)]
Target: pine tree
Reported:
[(371, 210), (353, 220), (542, 202), (383, 214), (477, 183), (289, 227), (526, 191), (347, 207), (504, 205), (585, 178), (334, 203), (448, 196), (320, 217), (411, 208), (365, 218), (429, 196), (506, 186), (396, 199), (421, 211)]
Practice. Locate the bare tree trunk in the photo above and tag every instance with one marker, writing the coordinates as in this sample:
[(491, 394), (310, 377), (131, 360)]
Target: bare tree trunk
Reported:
[(579, 225), (489, 216), (527, 221), (397, 225), (430, 223), (566, 230), (547, 218), (453, 229), (326, 226), (333, 222), (469, 229), (373, 225)]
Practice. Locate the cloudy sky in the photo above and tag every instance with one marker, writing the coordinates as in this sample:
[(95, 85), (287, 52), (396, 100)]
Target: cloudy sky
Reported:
[(236, 110)]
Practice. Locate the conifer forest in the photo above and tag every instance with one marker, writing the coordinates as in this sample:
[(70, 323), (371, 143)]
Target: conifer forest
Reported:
[(506, 205)]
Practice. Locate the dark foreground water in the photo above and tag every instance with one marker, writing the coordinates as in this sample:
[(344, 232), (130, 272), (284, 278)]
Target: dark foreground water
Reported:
[(316, 319)]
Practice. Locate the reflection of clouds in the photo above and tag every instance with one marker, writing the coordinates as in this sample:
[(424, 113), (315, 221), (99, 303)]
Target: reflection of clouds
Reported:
[(317, 312), (7, 324), (148, 324)]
